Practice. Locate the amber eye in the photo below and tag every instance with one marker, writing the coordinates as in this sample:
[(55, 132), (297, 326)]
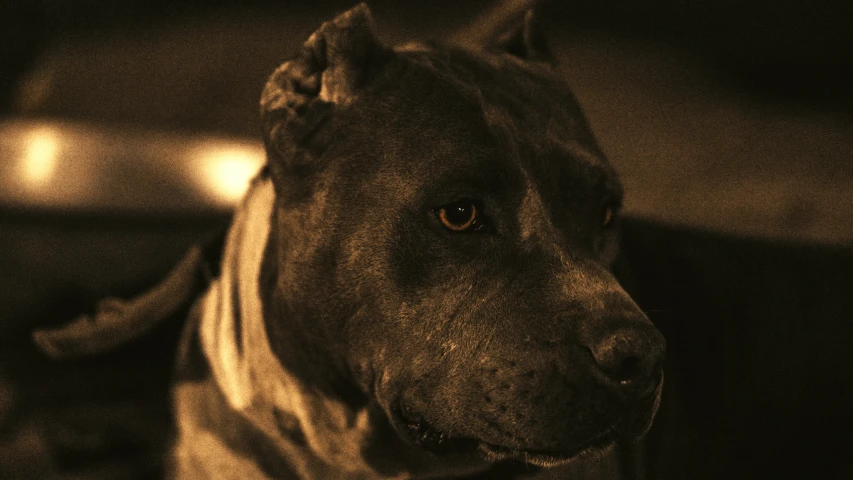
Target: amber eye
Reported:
[(459, 217), (608, 215)]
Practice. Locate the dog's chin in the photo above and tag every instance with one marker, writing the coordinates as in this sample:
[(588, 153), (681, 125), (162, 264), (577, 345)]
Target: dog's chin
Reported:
[(545, 458), (423, 435)]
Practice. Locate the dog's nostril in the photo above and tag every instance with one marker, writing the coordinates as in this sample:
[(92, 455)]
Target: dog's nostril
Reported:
[(629, 368), (629, 356)]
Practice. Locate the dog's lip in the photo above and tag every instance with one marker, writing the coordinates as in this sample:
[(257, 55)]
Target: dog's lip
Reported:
[(424, 435), (428, 437), (549, 458), (653, 388)]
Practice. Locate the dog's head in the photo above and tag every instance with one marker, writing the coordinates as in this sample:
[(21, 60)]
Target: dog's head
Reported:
[(443, 238)]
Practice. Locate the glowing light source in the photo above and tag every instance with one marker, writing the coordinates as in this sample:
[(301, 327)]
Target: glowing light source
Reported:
[(228, 169), (39, 159)]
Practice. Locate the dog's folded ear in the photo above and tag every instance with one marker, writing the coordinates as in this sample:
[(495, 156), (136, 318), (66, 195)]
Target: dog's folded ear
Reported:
[(302, 93)]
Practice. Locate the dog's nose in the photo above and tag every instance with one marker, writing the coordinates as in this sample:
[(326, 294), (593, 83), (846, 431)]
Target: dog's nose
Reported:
[(630, 356)]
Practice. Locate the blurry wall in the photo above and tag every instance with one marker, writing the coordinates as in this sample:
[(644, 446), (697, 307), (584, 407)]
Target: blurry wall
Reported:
[(729, 115), (795, 47)]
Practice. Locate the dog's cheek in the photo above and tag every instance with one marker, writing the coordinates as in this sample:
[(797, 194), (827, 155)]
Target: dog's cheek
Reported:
[(412, 258), (609, 249)]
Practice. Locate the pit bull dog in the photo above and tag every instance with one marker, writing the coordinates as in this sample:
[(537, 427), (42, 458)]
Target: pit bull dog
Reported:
[(418, 284)]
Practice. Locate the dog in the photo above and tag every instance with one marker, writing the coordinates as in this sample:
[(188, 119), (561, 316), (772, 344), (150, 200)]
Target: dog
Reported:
[(418, 284)]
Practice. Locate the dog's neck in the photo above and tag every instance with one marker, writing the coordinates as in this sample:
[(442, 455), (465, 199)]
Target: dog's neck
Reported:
[(293, 331), (318, 435), (244, 368)]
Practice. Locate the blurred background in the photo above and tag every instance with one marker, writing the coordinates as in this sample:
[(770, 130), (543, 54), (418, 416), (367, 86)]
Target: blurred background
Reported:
[(128, 129)]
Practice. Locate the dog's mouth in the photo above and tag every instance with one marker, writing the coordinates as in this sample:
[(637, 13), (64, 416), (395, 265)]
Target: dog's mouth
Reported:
[(426, 436), (547, 458)]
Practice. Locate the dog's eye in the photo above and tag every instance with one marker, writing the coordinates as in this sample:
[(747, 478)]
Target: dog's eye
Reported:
[(608, 214), (462, 216)]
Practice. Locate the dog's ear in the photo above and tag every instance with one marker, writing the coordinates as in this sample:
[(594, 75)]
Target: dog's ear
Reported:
[(511, 27), (303, 93), (525, 39)]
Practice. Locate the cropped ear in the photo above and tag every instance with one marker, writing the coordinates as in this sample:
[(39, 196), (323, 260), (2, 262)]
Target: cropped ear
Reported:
[(511, 27), (302, 94), (525, 39)]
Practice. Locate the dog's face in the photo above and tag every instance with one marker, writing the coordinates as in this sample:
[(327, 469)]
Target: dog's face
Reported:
[(444, 233)]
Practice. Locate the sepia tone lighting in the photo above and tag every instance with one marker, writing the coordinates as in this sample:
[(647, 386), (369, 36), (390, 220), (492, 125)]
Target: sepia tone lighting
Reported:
[(39, 159), (227, 169), (76, 167)]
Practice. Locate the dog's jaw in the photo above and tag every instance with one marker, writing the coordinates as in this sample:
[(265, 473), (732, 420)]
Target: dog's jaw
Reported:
[(247, 373), (412, 427), (333, 437), (418, 431)]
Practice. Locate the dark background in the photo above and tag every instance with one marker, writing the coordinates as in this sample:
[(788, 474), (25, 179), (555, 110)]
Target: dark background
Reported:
[(795, 50), (730, 116), (733, 115)]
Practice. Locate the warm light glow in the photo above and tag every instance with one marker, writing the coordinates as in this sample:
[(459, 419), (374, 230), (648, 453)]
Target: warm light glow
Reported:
[(228, 170), (39, 160)]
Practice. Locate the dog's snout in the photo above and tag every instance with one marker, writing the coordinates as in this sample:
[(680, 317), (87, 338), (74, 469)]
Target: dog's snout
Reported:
[(630, 356)]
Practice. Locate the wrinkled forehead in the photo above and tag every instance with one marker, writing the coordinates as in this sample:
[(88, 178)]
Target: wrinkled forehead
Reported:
[(475, 118)]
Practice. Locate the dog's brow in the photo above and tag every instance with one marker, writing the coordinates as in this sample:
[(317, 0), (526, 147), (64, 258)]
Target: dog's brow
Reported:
[(577, 152), (533, 218), (596, 164)]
